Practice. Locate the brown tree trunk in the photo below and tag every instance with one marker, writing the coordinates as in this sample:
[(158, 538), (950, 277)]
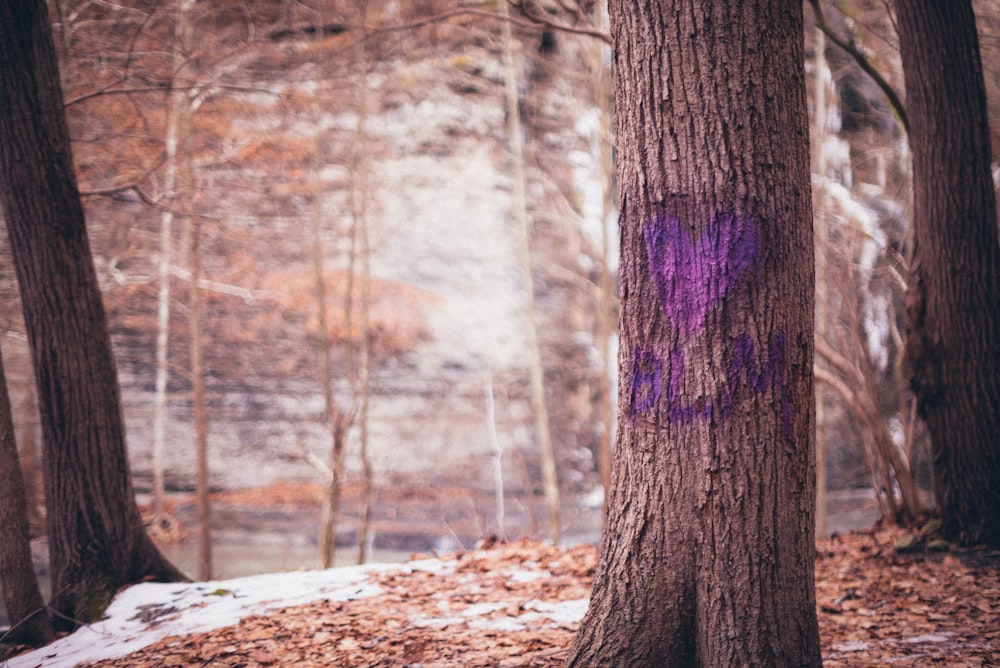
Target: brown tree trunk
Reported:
[(97, 541), (30, 466), (953, 301), (707, 557), (29, 619)]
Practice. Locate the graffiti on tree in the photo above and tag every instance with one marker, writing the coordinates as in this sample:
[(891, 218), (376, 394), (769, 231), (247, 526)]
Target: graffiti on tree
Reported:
[(693, 277)]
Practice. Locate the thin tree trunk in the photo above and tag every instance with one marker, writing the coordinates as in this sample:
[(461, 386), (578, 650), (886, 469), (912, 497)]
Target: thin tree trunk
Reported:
[(331, 501), (606, 322), (498, 490), (550, 481), (364, 396), (337, 422), (178, 110), (332, 415), (953, 297), (29, 456), (360, 185), (183, 205), (202, 488), (29, 620)]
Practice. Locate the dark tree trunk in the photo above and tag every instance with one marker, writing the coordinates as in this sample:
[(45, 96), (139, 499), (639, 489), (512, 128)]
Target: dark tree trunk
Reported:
[(97, 541), (953, 304), (707, 556), (29, 619)]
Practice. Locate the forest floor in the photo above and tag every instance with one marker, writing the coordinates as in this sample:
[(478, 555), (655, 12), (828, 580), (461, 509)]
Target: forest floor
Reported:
[(519, 604)]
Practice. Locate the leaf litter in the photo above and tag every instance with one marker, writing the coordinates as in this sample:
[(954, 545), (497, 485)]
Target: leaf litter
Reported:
[(519, 604)]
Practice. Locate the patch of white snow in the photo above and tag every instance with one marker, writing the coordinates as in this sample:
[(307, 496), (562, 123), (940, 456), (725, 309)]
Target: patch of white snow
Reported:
[(147, 613)]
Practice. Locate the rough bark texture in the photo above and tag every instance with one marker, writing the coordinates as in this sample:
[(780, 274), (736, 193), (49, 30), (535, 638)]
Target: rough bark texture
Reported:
[(29, 619), (953, 301), (97, 541), (707, 556)]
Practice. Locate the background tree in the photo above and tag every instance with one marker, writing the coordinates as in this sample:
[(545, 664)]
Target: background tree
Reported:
[(536, 369), (360, 197), (177, 135), (97, 541), (953, 301), (708, 544), (30, 623)]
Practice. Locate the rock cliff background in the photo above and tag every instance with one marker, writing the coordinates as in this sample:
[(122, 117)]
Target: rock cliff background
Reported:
[(292, 109)]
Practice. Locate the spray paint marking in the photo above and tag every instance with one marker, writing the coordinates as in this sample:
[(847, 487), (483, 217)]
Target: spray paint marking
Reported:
[(659, 391), (692, 278)]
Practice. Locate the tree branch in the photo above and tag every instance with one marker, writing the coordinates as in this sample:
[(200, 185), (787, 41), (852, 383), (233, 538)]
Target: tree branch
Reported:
[(534, 22), (832, 357), (852, 50)]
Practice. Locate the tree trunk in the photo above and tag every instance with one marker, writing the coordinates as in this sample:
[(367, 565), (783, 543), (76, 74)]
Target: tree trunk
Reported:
[(29, 619), (953, 302), (820, 229), (178, 129), (360, 374), (29, 456), (536, 372), (707, 556), (199, 408), (336, 420), (605, 325), (97, 541)]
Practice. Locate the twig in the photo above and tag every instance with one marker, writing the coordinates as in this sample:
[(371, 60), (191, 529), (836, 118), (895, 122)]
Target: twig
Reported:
[(852, 50), (533, 23)]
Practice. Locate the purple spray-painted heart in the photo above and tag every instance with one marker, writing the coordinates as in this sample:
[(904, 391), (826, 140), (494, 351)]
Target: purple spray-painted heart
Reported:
[(692, 277)]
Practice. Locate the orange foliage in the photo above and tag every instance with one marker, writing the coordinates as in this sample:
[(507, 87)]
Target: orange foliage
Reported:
[(395, 319)]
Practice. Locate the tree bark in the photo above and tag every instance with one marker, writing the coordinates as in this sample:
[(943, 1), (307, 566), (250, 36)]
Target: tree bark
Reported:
[(97, 541), (707, 555), (29, 620), (953, 301)]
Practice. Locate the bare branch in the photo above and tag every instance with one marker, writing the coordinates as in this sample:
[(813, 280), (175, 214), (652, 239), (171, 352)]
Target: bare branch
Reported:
[(852, 50), (832, 357), (839, 386), (533, 22)]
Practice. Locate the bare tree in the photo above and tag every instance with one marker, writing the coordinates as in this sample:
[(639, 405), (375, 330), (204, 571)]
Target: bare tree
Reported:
[(859, 282), (337, 420), (178, 129), (200, 410), (543, 433), (848, 370), (360, 197), (818, 136), (607, 300)]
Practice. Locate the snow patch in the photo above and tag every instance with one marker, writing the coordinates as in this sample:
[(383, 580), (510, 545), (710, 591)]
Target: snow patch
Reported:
[(928, 638), (561, 612), (147, 613)]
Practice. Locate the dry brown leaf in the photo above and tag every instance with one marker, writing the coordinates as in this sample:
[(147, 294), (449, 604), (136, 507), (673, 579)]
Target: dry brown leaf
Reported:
[(875, 606)]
